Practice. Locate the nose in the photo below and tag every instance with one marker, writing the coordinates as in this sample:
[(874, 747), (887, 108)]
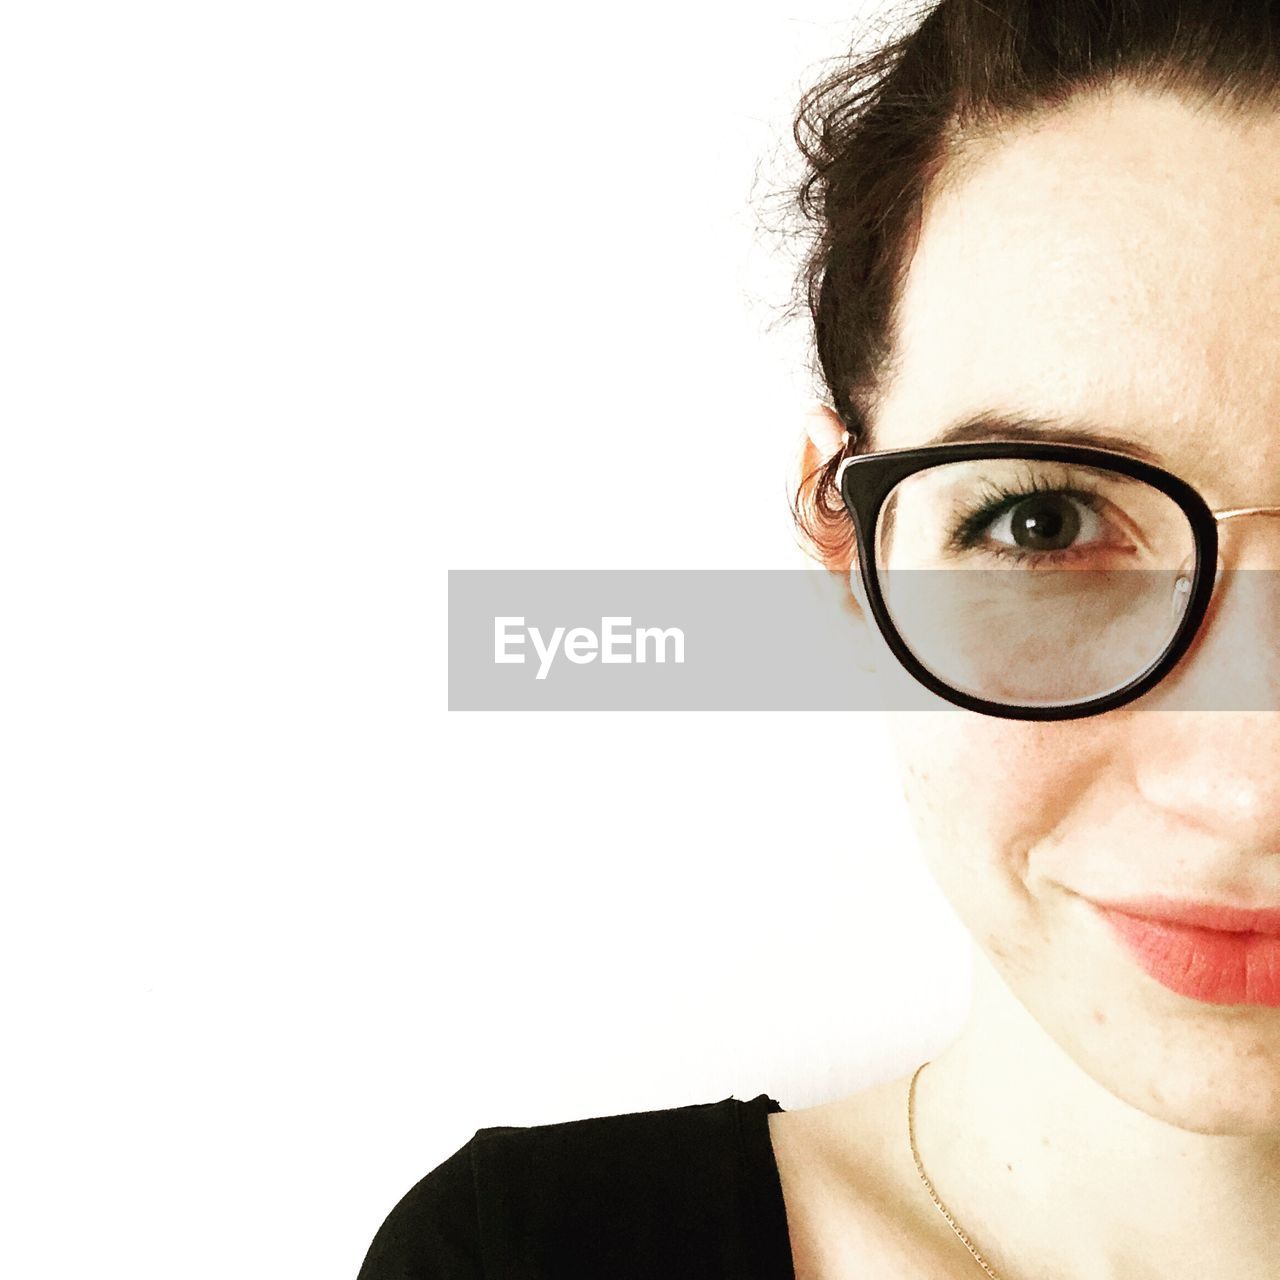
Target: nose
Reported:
[(1212, 755), (1216, 771), (1234, 661)]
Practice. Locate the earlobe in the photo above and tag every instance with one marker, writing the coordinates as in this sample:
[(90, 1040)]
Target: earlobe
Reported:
[(864, 630), (825, 438), (856, 588)]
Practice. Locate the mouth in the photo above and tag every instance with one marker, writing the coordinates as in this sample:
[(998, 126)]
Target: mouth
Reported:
[(1206, 952)]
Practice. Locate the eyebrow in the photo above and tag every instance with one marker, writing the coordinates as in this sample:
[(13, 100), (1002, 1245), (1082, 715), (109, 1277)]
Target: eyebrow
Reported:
[(1017, 427)]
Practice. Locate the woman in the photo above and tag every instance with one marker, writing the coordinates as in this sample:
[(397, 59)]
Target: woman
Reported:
[(1046, 293)]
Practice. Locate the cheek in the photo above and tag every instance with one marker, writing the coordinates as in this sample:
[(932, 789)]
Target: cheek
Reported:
[(991, 784), (986, 795)]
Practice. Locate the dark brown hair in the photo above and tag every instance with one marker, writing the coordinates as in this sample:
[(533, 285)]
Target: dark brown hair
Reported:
[(875, 134)]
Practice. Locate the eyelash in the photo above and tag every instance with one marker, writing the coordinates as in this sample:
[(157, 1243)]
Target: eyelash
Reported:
[(996, 501)]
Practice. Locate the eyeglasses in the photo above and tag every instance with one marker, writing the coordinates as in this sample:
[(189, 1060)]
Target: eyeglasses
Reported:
[(1032, 581)]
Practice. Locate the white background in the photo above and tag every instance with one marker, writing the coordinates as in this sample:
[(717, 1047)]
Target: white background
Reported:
[(303, 305)]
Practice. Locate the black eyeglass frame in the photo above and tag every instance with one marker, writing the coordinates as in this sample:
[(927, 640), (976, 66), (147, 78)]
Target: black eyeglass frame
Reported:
[(867, 479)]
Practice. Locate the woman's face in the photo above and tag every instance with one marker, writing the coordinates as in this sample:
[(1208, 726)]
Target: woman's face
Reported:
[(1118, 264)]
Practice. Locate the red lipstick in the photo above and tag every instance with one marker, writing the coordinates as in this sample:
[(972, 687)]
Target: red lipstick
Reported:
[(1220, 955)]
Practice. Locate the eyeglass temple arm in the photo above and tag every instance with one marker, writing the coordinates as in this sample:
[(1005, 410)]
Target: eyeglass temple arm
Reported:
[(1231, 512)]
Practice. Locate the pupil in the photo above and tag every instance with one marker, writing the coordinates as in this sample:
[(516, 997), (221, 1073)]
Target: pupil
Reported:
[(1045, 523)]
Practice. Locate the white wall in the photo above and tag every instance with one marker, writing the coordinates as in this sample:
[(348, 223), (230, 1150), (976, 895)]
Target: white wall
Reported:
[(304, 305)]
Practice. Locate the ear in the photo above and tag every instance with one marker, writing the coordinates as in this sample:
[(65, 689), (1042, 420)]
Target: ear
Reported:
[(824, 437)]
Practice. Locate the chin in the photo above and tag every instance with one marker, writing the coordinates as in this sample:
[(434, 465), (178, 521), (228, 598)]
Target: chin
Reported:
[(1199, 1107), (1218, 1074)]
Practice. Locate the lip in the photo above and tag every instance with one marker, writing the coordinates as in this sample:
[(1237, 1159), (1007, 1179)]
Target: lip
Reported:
[(1207, 952)]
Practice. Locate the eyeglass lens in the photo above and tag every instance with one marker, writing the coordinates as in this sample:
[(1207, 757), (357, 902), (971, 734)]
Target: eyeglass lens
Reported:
[(1033, 583)]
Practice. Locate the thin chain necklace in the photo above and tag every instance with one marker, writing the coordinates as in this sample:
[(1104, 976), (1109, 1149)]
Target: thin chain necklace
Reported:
[(928, 1186)]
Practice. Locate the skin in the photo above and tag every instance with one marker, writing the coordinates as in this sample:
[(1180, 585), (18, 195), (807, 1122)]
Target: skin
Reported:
[(1116, 261)]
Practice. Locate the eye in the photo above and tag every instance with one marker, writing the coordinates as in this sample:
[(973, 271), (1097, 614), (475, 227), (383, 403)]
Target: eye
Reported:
[(1029, 515), (1046, 521)]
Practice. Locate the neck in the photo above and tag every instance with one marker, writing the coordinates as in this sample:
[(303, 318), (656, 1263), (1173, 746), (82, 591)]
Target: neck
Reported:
[(1053, 1177)]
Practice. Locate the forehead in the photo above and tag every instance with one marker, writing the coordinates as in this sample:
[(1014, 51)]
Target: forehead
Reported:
[(1116, 262)]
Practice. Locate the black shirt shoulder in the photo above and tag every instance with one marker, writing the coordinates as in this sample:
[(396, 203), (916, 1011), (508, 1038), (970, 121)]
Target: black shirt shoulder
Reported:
[(664, 1195)]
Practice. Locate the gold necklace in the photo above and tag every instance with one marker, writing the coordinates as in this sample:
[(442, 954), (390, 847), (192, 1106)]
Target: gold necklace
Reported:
[(928, 1186)]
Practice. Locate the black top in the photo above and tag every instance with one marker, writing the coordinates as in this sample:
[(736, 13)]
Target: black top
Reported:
[(683, 1193)]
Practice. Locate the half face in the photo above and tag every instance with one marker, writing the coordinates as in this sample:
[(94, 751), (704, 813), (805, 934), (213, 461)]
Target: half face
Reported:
[(1116, 265)]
